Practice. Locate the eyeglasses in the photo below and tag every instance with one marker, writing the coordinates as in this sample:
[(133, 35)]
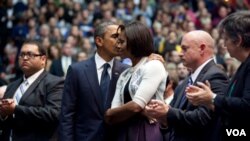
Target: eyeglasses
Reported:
[(28, 55)]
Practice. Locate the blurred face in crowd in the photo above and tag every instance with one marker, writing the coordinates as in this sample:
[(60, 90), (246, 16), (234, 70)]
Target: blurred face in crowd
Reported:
[(182, 71), (55, 51), (30, 59), (81, 56), (174, 56), (67, 49)]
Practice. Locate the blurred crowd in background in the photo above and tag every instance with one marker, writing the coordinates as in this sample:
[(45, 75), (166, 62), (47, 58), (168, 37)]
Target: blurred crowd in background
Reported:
[(65, 28)]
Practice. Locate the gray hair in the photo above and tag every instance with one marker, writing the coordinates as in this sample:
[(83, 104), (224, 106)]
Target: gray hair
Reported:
[(102, 27)]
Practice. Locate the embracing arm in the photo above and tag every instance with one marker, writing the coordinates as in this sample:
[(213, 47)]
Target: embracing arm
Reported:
[(122, 113), (154, 73)]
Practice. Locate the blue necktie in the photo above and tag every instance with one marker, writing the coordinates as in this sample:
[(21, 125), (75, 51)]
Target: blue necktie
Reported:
[(105, 79), (183, 99)]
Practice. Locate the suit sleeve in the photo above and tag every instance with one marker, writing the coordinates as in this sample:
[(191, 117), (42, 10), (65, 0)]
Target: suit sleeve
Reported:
[(239, 106), (200, 116), (66, 131), (42, 115)]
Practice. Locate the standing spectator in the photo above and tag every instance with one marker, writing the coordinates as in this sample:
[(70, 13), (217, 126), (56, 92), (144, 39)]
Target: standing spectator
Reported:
[(60, 66), (31, 105), (84, 103), (54, 53), (233, 107), (183, 120)]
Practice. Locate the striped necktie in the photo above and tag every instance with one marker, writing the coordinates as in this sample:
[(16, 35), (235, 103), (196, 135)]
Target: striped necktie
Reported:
[(22, 88)]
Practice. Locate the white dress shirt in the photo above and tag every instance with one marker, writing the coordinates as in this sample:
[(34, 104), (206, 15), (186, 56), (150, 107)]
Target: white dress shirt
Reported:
[(99, 66)]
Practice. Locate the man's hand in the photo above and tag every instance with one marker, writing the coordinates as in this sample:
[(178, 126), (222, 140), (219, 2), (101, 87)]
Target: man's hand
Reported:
[(7, 107), (157, 109)]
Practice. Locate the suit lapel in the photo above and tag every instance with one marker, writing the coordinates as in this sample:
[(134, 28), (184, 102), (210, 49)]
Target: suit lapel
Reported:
[(33, 86), (12, 89), (199, 78), (203, 71), (181, 93), (91, 74)]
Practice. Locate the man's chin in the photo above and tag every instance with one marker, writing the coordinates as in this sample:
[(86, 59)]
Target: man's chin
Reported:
[(119, 54)]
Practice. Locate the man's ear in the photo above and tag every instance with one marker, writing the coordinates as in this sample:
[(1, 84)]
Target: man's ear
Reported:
[(202, 48), (99, 41), (44, 59), (238, 43)]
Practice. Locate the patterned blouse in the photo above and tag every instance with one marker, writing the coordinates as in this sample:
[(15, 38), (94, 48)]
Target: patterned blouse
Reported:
[(148, 81)]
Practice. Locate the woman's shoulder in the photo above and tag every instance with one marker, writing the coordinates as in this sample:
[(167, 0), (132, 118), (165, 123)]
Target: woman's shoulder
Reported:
[(154, 64)]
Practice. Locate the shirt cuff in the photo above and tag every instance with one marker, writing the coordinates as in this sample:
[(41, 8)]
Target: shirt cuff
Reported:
[(214, 96), (3, 118)]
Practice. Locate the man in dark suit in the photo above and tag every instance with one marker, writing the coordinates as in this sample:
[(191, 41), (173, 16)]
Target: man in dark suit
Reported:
[(60, 66), (84, 102), (233, 107), (183, 120), (30, 107)]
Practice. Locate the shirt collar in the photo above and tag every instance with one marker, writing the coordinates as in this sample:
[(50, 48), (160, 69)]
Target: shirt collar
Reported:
[(100, 61), (198, 70), (33, 77)]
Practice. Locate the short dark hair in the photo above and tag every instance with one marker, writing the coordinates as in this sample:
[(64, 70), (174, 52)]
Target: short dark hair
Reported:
[(235, 25), (41, 49), (139, 39), (102, 27)]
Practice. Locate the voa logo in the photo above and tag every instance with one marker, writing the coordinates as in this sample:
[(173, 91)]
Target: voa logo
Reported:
[(236, 132)]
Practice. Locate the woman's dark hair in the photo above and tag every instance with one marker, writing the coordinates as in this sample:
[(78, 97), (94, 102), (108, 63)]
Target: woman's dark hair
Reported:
[(139, 39), (237, 25), (174, 79)]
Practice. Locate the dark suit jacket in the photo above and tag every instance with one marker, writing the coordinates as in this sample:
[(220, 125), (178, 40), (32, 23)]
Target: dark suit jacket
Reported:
[(234, 107), (56, 67), (36, 116), (195, 123), (83, 108)]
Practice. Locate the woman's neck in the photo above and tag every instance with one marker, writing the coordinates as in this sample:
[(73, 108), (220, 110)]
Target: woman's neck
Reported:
[(135, 60), (245, 54)]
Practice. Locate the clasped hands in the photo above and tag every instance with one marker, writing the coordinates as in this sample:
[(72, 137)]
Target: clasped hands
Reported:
[(200, 94), (7, 107), (157, 109)]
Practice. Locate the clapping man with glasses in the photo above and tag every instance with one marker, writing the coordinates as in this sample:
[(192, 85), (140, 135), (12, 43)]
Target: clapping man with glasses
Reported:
[(30, 106)]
